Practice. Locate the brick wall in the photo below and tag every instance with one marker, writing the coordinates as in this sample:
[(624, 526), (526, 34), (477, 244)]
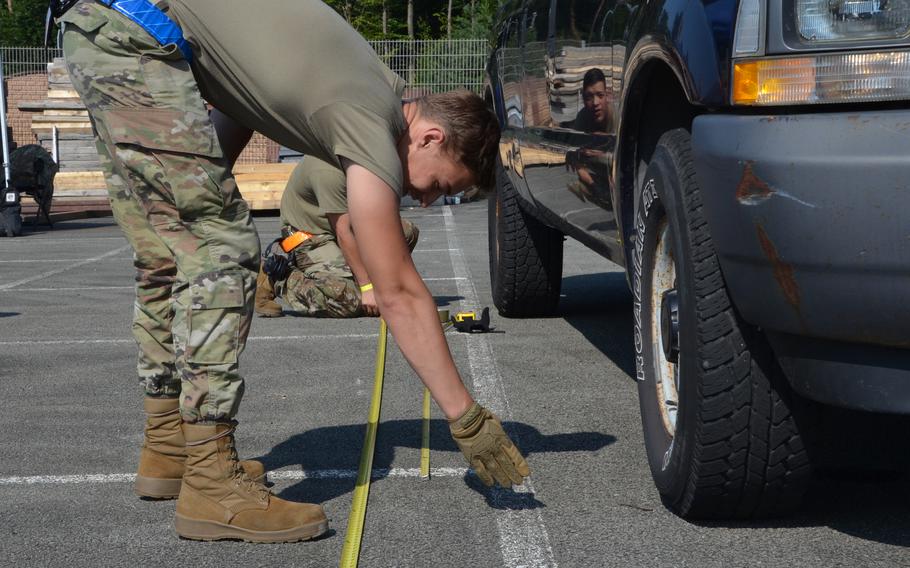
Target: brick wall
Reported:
[(260, 150), (23, 88)]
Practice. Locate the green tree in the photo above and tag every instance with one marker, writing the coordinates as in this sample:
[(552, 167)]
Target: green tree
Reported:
[(475, 19), (431, 19), (22, 22)]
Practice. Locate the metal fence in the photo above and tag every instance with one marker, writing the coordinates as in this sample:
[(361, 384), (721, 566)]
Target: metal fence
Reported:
[(431, 66), (25, 72)]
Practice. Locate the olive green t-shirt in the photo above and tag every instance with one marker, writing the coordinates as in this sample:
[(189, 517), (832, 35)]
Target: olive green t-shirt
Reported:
[(295, 71), (314, 190)]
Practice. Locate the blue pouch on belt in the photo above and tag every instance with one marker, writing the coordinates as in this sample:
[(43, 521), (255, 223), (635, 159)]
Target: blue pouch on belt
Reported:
[(154, 21)]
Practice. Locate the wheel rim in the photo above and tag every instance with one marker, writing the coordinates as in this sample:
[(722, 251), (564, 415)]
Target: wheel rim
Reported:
[(665, 329)]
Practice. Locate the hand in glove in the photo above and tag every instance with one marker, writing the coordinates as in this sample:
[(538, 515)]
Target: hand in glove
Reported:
[(479, 435)]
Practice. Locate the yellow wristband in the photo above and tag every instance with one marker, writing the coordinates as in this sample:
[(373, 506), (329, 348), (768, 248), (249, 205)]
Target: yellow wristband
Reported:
[(366, 287)]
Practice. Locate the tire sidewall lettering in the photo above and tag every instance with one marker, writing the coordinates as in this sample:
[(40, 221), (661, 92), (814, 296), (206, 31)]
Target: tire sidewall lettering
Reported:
[(649, 197)]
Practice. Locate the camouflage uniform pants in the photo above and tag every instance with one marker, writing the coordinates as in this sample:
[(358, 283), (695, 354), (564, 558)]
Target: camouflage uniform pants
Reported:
[(196, 250), (321, 283)]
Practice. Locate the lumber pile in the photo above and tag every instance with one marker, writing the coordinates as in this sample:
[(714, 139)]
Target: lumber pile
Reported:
[(260, 184), (63, 110)]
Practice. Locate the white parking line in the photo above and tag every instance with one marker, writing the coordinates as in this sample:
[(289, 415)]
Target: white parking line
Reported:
[(68, 241), (256, 338), (523, 536), (41, 260), (280, 475), (62, 269), (87, 288), (72, 289)]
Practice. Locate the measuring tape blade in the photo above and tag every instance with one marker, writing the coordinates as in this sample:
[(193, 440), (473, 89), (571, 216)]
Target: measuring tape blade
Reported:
[(425, 443), (350, 554)]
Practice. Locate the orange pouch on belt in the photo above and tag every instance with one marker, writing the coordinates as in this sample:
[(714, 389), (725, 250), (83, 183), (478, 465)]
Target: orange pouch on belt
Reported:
[(295, 240)]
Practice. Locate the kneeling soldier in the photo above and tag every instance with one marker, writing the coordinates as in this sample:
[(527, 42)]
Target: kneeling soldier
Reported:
[(326, 277)]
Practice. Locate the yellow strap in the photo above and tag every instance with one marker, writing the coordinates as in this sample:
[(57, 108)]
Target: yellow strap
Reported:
[(350, 553), (425, 443), (366, 287)]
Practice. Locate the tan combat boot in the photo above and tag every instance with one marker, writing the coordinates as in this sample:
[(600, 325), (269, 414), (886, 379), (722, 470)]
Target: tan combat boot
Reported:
[(219, 501), (163, 456), (265, 304)]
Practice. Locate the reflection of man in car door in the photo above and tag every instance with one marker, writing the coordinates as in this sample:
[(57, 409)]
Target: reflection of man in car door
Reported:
[(592, 118)]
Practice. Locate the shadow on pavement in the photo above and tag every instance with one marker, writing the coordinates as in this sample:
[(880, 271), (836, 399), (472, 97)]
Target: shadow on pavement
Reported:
[(869, 505), (446, 301), (60, 228), (600, 307), (339, 447), (8, 314)]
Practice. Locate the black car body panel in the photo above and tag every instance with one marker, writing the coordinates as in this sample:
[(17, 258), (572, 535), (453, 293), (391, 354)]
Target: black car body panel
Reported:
[(807, 204)]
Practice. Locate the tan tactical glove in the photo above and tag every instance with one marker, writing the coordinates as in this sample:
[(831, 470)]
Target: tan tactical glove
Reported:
[(479, 435)]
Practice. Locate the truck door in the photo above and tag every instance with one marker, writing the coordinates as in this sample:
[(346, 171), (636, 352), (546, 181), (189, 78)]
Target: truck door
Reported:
[(569, 133)]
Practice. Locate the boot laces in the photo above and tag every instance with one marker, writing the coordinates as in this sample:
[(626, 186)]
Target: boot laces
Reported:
[(240, 477)]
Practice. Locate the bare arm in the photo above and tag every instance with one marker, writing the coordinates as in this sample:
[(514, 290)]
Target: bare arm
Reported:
[(232, 136), (344, 236), (403, 298), (341, 226)]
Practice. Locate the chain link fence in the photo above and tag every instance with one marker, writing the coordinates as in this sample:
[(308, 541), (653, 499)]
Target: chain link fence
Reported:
[(427, 65), (25, 74), (432, 66)]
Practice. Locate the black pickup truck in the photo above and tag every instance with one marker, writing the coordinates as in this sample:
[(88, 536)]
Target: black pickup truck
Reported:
[(747, 162)]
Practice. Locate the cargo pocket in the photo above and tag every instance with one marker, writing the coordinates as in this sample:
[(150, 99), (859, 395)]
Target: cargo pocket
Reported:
[(215, 319), (166, 129), (187, 166), (85, 16)]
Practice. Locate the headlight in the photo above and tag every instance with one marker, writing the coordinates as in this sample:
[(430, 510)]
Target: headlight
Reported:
[(826, 21), (824, 78)]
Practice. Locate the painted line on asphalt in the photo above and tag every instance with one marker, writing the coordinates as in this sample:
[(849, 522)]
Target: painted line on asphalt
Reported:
[(72, 289), (280, 475), (30, 239), (89, 288), (257, 338), (37, 261), (523, 536), (56, 271)]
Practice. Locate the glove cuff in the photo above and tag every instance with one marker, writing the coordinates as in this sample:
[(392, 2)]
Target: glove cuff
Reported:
[(469, 421)]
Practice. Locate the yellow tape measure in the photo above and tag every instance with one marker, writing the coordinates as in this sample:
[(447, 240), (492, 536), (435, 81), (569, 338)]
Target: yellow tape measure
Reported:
[(350, 554), (425, 438)]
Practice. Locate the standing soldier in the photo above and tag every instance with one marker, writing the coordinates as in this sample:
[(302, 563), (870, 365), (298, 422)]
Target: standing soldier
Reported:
[(295, 71), (325, 276)]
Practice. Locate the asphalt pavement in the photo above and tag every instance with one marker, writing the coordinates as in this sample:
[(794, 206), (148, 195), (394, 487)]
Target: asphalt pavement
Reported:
[(71, 427)]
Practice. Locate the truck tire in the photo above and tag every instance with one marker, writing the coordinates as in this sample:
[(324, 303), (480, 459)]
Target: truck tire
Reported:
[(525, 256), (721, 439)]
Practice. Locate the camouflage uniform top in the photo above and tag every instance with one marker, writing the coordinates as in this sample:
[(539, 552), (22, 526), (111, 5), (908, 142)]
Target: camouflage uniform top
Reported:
[(295, 71), (314, 190)]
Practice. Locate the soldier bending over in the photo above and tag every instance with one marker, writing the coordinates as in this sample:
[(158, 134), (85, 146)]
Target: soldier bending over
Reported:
[(297, 72)]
